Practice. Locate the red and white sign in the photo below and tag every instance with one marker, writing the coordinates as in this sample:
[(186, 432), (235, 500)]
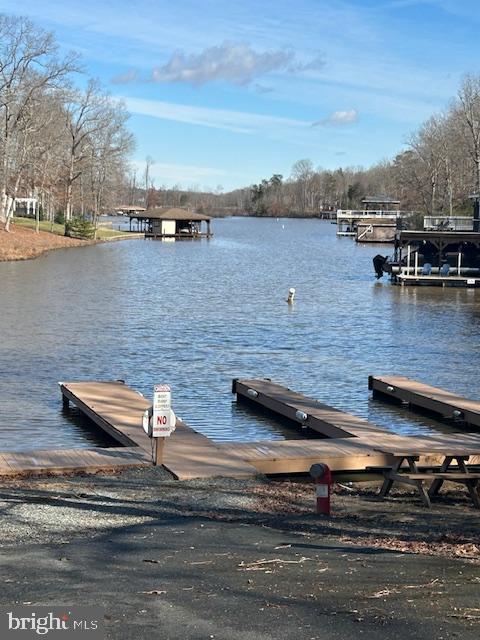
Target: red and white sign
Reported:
[(163, 418)]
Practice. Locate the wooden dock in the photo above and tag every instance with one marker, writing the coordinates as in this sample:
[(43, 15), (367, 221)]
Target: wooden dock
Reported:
[(417, 394), (354, 447), (60, 461), (329, 422), (436, 280), (297, 456), (349, 443), (118, 410)]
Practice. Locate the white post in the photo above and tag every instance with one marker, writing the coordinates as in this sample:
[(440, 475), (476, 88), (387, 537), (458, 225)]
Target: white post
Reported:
[(459, 263), (416, 262), (408, 260)]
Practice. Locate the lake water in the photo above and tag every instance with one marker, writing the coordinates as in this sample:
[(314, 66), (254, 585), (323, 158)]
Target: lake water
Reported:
[(197, 314)]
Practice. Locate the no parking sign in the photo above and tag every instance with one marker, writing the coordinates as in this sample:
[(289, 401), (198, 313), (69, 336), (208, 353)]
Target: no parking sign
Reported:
[(163, 418)]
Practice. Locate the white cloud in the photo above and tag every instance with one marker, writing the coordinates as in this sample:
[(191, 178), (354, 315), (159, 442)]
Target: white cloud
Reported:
[(236, 121), (168, 173), (338, 118), (233, 62), (237, 63), (127, 77)]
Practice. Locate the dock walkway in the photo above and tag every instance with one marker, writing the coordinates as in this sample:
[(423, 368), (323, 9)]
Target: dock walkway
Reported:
[(417, 394), (118, 409), (354, 447), (349, 443), (58, 461)]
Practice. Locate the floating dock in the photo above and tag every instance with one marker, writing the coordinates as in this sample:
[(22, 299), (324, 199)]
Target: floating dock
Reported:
[(59, 461), (348, 443), (417, 394), (118, 410), (305, 411), (438, 280), (437, 258), (354, 447)]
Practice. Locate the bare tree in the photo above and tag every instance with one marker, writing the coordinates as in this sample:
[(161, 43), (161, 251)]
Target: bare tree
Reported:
[(28, 66), (149, 161), (109, 146), (467, 110), (87, 117)]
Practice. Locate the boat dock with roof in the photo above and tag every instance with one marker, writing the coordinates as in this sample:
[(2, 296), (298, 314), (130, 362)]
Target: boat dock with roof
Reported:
[(441, 258), (360, 223), (173, 223)]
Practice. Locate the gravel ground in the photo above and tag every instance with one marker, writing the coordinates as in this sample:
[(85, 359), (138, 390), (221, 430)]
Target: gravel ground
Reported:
[(241, 559)]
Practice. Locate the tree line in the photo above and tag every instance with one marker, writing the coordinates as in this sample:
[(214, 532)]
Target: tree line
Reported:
[(65, 146), (435, 174), (69, 148)]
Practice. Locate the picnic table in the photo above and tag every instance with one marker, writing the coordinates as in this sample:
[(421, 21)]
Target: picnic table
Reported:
[(412, 475)]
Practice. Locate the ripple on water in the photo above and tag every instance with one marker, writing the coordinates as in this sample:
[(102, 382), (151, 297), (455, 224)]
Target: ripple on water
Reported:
[(197, 314)]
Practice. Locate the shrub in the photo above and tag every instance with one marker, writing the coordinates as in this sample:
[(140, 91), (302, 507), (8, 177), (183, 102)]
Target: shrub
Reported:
[(79, 228)]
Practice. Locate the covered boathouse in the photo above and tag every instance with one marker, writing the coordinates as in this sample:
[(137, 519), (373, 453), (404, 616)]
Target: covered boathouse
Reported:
[(446, 258), (171, 223), (376, 209)]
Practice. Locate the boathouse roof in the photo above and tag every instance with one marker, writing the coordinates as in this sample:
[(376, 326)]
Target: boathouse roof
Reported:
[(380, 200), (172, 214), (459, 236), (437, 237), (129, 207)]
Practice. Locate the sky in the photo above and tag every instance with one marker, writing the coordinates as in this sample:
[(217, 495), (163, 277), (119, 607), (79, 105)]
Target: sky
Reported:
[(224, 93)]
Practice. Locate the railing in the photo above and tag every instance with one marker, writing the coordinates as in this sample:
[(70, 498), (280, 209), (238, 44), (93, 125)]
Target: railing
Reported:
[(448, 223), (359, 214)]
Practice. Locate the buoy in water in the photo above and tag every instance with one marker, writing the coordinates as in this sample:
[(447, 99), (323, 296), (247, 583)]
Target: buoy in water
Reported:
[(291, 295)]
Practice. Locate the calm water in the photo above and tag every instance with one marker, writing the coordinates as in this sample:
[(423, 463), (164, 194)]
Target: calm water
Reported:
[(197, 314)]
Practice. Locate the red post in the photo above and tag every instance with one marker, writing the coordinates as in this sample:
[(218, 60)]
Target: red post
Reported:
[(322, 478)]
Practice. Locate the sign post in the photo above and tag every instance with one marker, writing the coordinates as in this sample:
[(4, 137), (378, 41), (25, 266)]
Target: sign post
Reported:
[(163, 419)]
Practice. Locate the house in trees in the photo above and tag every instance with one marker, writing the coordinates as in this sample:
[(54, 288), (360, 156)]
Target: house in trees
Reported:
[(25, 207)]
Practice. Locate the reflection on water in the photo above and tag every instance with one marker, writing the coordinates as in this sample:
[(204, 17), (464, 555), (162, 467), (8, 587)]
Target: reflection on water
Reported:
[(197, 314)]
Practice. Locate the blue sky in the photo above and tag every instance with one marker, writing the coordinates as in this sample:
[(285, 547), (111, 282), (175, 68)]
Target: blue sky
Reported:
[(227, 92)]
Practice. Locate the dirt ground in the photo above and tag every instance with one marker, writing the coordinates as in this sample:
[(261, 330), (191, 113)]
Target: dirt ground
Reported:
[(239, 560), (24, 244)]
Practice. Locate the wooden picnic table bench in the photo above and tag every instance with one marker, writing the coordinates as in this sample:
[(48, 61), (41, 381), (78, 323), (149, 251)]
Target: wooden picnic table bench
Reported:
[(412, 475)]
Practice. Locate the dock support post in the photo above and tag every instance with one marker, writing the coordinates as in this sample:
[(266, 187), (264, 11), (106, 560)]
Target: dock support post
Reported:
[(158, 451)]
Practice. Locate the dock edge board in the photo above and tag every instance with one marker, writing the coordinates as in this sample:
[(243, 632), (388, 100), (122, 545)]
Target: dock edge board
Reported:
[(410, 392)]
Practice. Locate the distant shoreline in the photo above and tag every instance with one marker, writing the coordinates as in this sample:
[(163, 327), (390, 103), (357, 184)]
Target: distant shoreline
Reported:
[(293, 216)]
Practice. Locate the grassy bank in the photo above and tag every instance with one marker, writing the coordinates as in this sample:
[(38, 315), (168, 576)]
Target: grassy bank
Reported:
[(103, 233), (23, 243)]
